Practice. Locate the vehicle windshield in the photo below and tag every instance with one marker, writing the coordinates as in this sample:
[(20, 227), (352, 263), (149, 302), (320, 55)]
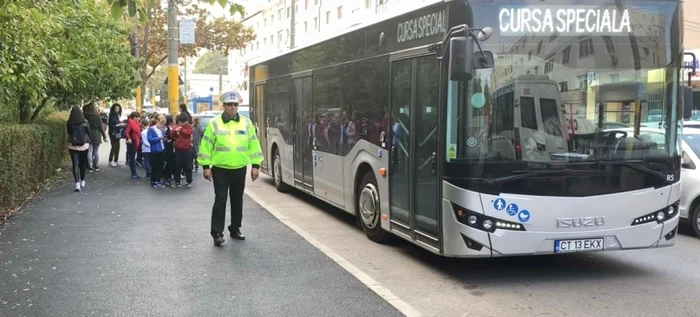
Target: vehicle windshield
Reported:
[(204, 120), (693, 141), (601, 88)]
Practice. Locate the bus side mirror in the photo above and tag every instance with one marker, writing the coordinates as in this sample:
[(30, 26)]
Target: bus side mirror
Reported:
[(483, 60), (461, 64)]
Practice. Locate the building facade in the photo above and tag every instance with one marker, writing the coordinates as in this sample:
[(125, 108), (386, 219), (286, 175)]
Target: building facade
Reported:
[(280, 27)]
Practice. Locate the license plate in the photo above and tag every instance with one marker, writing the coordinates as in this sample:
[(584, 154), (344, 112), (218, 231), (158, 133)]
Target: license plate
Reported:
[(580, 245)]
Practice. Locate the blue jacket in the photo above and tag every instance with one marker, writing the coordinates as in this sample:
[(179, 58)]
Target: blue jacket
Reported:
[(157, 145)]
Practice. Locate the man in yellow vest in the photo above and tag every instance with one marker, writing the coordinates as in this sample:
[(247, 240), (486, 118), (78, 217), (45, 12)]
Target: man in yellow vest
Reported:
[(228, 145)]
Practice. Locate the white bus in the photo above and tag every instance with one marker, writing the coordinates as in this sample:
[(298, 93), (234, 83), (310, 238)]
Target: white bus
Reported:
[(406, 123)]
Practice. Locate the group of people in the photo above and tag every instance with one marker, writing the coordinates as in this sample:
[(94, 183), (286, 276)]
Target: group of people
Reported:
[(165, 146), (170, 147)]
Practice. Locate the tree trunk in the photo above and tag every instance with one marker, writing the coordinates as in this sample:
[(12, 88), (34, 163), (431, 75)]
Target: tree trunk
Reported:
[(38, 109), (25, 110), (144, 52), (143, 92)]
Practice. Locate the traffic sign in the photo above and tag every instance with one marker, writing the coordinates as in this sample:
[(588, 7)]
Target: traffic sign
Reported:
[(187, 32)]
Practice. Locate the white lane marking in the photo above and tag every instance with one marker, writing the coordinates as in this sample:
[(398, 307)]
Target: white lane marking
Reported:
[(384, 293)]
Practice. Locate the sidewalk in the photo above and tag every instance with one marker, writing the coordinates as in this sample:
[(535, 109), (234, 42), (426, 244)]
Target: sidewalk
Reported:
[(122, 248)]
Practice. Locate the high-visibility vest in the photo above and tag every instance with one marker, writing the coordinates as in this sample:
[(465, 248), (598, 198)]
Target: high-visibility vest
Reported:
[(230, 145)]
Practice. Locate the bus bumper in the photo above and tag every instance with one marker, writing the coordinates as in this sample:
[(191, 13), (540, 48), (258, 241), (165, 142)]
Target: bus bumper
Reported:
[(460, 240)]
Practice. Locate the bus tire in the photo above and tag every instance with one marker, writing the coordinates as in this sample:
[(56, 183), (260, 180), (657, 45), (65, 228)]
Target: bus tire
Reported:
[(368, 209), (695, 220), (277, 172)]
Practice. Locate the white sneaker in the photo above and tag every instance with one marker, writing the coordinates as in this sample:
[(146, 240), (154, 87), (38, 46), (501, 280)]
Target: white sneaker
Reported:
[(82, 184), (112, 164), (77, 186)]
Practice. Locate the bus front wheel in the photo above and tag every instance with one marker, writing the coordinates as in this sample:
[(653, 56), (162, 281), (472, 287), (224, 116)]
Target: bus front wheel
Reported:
[(369, 209), (277, 172)]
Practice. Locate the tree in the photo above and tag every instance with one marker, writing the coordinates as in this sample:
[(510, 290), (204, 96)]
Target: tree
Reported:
[(65, 54), (138, 8), (150, 37), (210, 63)]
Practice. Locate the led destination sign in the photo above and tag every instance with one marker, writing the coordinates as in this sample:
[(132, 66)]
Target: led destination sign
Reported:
[(564, 20)]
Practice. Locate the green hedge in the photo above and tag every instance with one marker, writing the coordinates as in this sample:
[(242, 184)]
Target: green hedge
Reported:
[(29, 156)]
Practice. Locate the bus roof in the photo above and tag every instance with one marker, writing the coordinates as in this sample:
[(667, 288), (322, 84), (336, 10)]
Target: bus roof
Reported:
[(400, 10)]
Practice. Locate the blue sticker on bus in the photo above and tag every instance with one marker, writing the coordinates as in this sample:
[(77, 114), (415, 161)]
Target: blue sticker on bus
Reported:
[(512, 209), (499, 204), (524, 216)]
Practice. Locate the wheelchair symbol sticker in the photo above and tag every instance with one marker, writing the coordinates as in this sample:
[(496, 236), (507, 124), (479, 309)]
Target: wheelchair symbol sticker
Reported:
[(512, 209)]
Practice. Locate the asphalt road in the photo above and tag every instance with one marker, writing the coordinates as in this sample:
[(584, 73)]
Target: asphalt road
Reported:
[(122, 248), (658, 282)]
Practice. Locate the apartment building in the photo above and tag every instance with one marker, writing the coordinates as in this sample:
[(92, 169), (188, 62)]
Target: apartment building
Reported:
[(691, 34), (281, 26)]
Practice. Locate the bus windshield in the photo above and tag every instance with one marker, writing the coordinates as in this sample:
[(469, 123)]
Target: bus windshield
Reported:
[(571, 84)]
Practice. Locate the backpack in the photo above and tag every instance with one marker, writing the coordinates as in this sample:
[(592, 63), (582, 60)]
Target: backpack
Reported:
[(78, 135)]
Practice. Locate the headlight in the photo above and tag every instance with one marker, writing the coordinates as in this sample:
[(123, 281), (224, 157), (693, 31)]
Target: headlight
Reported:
[(659, 216), (480, 221)]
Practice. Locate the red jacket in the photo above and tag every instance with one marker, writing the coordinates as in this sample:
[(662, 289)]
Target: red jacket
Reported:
[(133, 132), (182, 141)]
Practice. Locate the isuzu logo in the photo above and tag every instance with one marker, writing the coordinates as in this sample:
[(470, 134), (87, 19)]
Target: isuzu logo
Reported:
[(580, 222)]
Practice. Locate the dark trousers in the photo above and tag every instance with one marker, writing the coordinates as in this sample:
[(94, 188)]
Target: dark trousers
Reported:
[(169, 168), (183, 162), (114, 152), (147, 163), (131, 157), (80, 162), (157, 161), (229, 183)]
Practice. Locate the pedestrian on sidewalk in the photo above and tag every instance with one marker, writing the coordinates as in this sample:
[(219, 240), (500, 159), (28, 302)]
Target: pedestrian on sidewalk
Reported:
[(146, 146), (182, 144), (229, 145), (97, 134), (78, 145), (132, 134), (115, 132), (157, 137), (197, 132)]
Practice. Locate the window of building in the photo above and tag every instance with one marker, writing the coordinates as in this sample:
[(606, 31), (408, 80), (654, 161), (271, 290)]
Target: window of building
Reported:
[(279, 14), (306, 26), (549, 65), (585, 48), (566, 55), (315, 23), (609, 44), (340, 12), (328, 17), (306, 4), (563, 86), (289, 11), (368, 3)]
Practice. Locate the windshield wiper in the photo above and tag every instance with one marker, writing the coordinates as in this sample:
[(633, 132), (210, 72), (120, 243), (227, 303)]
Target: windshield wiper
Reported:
[(525, 174), (635, 166)]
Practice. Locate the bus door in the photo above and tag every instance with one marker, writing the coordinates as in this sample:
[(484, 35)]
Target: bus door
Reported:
[(304, 132), (413, 142), (260, 121)]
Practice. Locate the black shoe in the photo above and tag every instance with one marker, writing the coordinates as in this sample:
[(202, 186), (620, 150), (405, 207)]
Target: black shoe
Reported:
[(237, 235), (219, 240)]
